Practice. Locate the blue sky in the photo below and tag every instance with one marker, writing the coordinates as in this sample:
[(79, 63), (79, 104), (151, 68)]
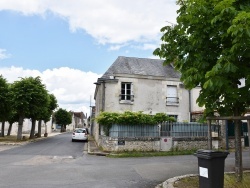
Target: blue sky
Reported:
[(72, 43)]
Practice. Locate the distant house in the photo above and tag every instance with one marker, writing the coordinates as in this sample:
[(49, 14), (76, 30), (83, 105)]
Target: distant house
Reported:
[(142, 84), (79, 120)]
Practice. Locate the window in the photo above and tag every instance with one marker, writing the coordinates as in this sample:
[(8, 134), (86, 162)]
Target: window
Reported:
[(126, 92), (172, 96)]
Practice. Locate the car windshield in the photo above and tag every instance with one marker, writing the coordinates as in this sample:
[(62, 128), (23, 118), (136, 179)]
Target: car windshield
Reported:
[(80, 131)]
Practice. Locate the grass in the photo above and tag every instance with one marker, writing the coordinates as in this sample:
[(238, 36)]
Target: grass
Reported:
[(149, 154), (13, 139), (229, 181)]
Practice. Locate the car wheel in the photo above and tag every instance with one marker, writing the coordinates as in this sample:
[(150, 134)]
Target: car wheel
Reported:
[(73, 140)]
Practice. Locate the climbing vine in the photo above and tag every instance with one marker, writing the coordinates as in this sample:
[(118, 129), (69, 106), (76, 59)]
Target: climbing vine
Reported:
[(131, 118)]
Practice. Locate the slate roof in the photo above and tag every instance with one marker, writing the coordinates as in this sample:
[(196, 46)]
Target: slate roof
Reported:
[(140, 66)]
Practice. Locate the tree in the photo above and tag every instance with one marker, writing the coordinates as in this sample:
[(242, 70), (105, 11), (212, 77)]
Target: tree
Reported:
[(28, 97), (46, 115), (210, 46), (38, 103), (12, 119), (5, 107), (63, 118)]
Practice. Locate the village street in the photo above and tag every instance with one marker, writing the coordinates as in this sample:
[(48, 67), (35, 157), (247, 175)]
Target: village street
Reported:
[(58, 162)]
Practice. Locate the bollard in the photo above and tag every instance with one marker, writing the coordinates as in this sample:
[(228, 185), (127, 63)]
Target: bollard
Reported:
[(211, 168)]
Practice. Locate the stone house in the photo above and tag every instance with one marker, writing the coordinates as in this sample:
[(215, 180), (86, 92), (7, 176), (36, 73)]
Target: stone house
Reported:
[(79, 120), (142, 84)]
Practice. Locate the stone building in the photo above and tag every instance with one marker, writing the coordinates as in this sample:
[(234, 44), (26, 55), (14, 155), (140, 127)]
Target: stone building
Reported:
[(142, 84)]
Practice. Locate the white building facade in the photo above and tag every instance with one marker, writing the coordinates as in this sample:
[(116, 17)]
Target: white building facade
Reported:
[(140, 84)]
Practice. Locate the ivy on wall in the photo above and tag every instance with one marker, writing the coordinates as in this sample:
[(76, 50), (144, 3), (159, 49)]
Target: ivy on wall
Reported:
[(107, 119), (131, 118)]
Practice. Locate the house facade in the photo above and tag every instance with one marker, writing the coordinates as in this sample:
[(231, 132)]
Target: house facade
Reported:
[(79, 120), (141, 84)]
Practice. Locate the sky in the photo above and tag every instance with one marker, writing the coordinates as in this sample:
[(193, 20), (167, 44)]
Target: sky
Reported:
[(71, 43)]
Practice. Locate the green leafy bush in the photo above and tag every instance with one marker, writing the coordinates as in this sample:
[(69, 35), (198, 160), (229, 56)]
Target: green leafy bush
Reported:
[(131, 118)]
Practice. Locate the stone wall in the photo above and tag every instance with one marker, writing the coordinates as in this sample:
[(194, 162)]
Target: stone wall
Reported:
[(193, 143), (231, 142), (154, 144), (202, 143), (129, 144)]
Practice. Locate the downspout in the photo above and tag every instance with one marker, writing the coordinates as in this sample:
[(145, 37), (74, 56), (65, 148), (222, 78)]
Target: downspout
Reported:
[(189, 96), (103, 102), (103, 96)]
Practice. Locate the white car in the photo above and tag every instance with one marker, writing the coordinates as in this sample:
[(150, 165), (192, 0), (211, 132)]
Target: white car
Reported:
[(80, 134)]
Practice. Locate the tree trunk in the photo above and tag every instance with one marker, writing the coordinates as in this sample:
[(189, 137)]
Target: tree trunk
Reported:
[(223, 135), (39, 128), (209, 136), (20, 128), (45, 127), (33, 126), (9, 130), (238, 151), (3, 125), (248, 127)]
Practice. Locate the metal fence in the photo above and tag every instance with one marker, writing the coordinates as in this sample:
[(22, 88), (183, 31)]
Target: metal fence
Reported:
[(132, 131), (171, 129), (177, 129)]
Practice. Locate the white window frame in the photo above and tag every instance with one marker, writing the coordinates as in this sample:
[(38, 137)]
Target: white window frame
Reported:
[(172, 95), (126, 94)]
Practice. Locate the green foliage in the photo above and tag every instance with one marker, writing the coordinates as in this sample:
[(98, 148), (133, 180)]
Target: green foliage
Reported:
[(63, 117), (52, 105), (13, 117), (131, 118), (29, 99), (210, 46), (5, 106)]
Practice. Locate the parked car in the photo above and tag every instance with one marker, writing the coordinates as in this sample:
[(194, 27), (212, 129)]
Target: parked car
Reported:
[(80, 134)]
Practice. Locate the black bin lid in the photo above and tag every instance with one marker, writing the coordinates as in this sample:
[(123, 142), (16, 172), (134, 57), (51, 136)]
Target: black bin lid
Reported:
[(209, 154)]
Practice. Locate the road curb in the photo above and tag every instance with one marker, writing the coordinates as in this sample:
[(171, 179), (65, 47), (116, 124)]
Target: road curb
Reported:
[(92, 144), (169, 183)]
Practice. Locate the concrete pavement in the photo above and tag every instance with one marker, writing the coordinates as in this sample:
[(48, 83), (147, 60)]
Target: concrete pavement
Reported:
[(92, 150), (4, 145)]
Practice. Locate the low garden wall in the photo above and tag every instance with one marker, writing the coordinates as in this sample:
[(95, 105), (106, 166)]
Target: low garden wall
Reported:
[(193, 143), (129, 144), (154, 143), (201, 143)]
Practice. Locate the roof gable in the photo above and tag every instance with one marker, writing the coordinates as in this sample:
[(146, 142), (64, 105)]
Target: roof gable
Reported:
[(140, 66)]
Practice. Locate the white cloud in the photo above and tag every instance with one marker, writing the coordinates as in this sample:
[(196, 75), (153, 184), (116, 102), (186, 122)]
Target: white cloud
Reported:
[(3, 54), (146, 46), (110, 21), (116, 47), (72, 88)]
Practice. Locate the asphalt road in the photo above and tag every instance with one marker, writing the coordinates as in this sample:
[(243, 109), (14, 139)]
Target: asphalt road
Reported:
[(58, 162)]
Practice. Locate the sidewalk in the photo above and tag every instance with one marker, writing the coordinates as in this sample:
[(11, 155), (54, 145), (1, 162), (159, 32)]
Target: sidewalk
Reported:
[(4, 145), (93, 148)]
